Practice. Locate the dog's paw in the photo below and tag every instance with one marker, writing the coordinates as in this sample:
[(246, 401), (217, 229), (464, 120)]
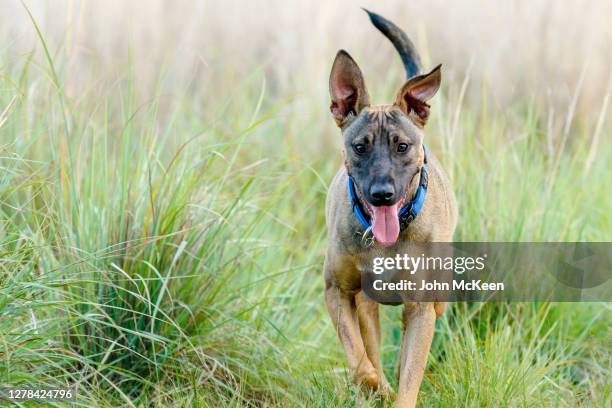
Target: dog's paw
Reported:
[(367, 375), (386, 392)]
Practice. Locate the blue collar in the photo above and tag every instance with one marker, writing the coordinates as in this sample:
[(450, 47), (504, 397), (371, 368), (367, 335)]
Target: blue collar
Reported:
[(407, 213)]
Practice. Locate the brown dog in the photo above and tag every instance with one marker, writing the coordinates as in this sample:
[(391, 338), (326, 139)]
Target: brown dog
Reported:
[(384, 157)]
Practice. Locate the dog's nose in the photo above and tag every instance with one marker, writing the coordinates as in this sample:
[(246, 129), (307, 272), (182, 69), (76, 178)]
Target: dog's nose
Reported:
[(382, 193)]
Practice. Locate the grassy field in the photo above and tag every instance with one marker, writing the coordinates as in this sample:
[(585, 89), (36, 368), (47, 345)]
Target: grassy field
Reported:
[(162, 193)]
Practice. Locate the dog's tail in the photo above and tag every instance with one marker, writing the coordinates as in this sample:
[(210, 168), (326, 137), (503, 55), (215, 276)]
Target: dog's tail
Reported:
[(401, 42)]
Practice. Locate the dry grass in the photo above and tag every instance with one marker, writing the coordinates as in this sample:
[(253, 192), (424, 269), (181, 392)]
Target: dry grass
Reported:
[(513, 49)]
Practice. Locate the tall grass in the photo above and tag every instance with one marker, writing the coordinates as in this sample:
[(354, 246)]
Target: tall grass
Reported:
[(162, 232)]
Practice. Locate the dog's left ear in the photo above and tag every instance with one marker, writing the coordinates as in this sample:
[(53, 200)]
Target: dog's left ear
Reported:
[(412, 98)]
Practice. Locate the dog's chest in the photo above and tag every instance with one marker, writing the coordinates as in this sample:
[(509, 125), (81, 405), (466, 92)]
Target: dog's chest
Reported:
[(368, 257)]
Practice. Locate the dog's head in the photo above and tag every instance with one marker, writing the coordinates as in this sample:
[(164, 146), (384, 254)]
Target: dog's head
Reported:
[(382, 143)]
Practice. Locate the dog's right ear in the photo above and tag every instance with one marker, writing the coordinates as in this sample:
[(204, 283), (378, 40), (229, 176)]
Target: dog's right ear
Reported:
[(347, 89)]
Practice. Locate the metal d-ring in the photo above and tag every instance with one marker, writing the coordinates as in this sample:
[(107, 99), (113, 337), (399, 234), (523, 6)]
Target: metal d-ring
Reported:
[(367, 238)]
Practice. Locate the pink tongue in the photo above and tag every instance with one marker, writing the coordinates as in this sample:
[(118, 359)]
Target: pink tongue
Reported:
[(385, 224)]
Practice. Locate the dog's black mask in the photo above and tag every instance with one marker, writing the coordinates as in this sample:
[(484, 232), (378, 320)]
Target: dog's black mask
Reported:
[(383, 154)]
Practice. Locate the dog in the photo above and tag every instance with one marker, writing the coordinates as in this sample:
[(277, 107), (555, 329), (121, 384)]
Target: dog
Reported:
[(384, 166)]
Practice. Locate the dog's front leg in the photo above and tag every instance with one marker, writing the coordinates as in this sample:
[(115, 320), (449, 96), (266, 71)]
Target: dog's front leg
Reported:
[(419, 322), (343, 313), (369, 326)]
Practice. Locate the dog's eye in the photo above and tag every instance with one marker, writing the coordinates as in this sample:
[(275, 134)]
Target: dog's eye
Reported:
[(359, 148), (402, 147)]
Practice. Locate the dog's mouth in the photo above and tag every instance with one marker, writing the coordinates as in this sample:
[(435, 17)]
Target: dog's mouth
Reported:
[(385, 221)]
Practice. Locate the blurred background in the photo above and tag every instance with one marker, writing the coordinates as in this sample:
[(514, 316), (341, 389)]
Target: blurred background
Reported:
[(503, 51), (163, 172)]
